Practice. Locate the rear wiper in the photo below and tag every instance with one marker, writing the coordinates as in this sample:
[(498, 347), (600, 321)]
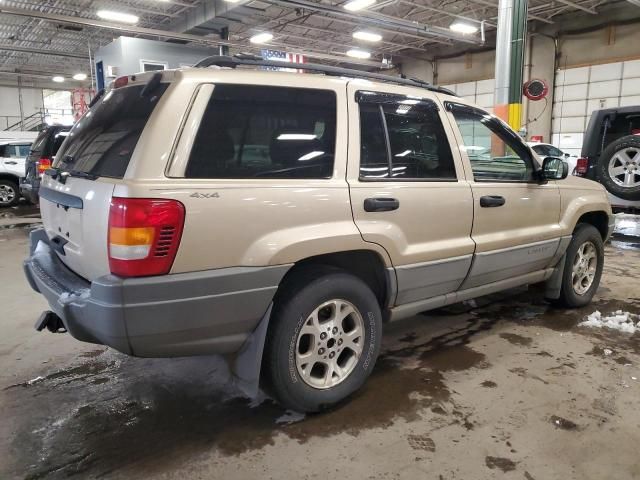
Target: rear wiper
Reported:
[(76, 173), (61, 175)]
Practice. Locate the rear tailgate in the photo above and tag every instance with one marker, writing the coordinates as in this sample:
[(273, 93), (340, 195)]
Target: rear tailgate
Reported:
[(75, 195), (75, 216)]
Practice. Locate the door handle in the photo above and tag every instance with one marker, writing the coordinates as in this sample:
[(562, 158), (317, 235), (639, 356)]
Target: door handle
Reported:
[(489, 201), (10, 162), (383, 204)]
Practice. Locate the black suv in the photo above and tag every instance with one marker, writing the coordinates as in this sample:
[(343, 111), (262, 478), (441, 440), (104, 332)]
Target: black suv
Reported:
[(40, 159), (611, 151)]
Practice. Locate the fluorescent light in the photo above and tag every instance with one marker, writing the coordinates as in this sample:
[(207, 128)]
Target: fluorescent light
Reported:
[(355, 53), (261, 37), (58, 79), (410, 102), (296, 136), (354, 5), (403, 154), (462, 27), (403, 109), (117, 16), (367, 36), (232, 1), (310, 155), (80, 76)]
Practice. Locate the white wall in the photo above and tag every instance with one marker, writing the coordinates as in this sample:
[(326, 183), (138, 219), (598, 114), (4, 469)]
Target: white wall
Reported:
[(10, 106)]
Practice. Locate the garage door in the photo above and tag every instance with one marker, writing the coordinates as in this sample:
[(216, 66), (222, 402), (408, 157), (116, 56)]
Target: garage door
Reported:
[(479, 92), (580, 91)]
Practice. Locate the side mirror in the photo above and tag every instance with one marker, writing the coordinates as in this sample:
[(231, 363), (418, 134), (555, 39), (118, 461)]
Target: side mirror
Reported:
[(567, 155), (554, 168)]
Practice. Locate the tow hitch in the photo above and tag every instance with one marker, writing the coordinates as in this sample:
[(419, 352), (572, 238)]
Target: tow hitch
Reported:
[(51, 321)]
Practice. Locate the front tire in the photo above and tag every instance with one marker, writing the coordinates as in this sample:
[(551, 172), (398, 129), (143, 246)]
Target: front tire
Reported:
[(323, 341), (583, 267), (9, 193)]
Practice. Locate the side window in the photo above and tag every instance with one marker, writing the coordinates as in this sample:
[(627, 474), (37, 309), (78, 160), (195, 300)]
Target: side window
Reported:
[(23, 150), (403, 138), (265, 132), (494, 153)]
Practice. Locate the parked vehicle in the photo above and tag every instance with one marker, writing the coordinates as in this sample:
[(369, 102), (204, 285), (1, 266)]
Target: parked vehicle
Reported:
[(611, 154), (12, 168), (40, 159), (547, 150), (282, 218)]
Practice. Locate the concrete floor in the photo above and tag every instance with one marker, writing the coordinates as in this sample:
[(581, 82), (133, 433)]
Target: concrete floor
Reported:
[(506, 387)]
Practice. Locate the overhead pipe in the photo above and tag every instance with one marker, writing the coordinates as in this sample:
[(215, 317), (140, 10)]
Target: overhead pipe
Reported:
[(375, 18), (39, 51), (153, 32)]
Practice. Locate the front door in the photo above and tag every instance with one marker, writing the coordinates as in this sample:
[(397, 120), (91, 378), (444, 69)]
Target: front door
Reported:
[(516, 218), (407, 188)]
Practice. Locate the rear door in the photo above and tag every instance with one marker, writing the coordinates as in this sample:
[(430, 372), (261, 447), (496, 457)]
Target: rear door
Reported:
[(14, 158), (75, 194), (407, 187), (516, 221)]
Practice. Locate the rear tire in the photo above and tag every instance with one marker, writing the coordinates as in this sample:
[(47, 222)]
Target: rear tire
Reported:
[(9, 193), (619, 168), (324, 339), (583, 267)]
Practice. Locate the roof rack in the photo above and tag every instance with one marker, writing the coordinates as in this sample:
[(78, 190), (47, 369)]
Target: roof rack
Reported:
[(246, 59)]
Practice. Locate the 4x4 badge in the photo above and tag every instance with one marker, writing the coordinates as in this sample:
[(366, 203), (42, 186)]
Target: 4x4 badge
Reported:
[(205, 195)]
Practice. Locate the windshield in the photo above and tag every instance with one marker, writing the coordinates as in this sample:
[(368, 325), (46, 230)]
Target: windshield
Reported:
[(103, 140)]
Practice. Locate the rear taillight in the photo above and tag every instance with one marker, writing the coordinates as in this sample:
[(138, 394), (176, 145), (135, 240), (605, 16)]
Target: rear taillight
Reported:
[(582, 166), (144, 234), (121, 82), (43, 165)]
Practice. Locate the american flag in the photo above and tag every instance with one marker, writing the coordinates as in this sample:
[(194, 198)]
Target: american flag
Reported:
[(283, 57)]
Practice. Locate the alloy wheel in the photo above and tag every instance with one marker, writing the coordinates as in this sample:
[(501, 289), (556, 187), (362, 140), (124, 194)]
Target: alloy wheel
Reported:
[(329, 344), (7, 194), (624, 167), (585, 264)]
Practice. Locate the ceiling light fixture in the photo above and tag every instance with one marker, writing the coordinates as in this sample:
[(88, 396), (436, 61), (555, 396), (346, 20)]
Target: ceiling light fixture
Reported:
[(355, 53), (355, 5), (117, 16), (263, 37), (80, 76), (463, 28), (58, 79), (367, 36)]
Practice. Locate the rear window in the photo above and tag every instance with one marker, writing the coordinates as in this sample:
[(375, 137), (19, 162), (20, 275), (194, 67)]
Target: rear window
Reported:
[(265, 132), (103, 140)]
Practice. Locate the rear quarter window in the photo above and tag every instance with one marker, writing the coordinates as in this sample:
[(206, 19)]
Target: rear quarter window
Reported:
[(250, 131), (102, 141)]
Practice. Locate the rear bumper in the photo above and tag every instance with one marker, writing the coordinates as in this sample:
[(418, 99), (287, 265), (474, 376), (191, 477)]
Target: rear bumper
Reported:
[(209, 312)]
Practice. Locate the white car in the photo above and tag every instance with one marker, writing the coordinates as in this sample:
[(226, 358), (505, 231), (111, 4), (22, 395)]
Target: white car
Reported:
[(548, 150), (13, 156)]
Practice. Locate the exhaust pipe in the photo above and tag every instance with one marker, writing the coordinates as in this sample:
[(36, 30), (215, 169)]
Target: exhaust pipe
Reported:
[(51, 322)]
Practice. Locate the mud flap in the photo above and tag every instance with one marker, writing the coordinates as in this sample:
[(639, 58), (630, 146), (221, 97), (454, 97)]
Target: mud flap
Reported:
[(247, 362), (554, 284)]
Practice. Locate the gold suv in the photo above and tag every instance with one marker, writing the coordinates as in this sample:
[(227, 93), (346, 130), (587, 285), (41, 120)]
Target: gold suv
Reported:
[(281, 218)]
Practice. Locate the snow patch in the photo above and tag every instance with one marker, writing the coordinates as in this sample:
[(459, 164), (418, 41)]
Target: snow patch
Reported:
[(35, 380), (622, 321)]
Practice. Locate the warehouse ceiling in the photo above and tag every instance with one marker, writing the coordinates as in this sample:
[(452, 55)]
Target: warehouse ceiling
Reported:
[(58, 36)]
